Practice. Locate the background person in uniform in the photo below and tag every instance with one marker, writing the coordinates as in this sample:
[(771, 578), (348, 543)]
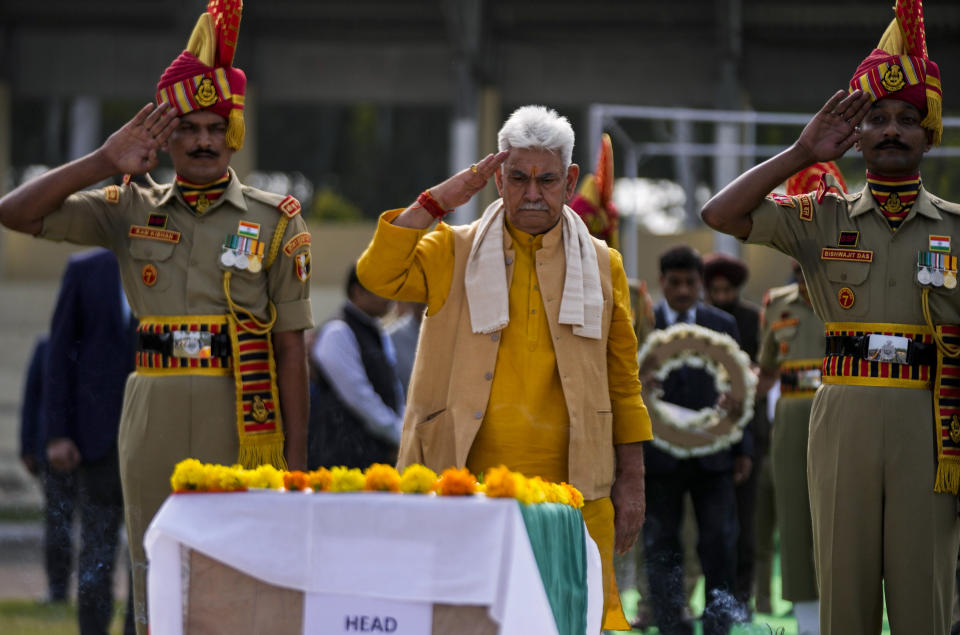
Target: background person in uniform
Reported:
[(792, 352), (356, 409), (883, 471), (191, 396), (527, 356), (723, 279), (59, 488), (90, 355)]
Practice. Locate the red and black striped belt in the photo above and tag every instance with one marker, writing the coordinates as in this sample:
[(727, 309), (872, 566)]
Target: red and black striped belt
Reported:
[(879, 354), (176, 344)]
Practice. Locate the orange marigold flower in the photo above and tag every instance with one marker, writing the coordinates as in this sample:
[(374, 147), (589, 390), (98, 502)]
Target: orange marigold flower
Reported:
[(576, 498), (295, 481), (454, 482), (382, 478), (417, 479), (319, 480)]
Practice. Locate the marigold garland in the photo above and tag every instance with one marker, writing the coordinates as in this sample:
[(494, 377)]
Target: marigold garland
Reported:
[(190, 475)]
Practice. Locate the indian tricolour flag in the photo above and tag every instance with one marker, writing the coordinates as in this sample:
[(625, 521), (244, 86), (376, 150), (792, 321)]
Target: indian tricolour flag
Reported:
[(940, 243), (252, 230)]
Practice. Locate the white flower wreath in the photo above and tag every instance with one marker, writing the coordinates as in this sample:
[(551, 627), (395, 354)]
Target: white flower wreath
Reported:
[(683, 432)]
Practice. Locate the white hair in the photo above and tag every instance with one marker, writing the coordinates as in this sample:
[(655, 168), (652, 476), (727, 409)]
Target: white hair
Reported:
[(539, 128)]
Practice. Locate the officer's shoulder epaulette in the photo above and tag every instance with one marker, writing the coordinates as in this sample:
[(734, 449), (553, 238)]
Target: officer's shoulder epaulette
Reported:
[(779, 293), (945, 206), (287, 204)]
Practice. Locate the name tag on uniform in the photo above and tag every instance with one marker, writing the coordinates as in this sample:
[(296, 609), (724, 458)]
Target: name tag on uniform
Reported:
[(851, 255)]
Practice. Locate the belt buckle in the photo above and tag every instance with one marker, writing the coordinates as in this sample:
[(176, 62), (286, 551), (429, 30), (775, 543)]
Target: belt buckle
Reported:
[(808, 379), (192, 344), (888, 348)]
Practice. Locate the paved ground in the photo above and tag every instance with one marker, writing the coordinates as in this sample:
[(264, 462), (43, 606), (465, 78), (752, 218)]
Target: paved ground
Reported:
[(25, 309)]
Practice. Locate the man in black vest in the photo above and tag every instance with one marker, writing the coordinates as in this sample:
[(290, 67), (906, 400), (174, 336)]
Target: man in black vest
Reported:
[(356, 400)]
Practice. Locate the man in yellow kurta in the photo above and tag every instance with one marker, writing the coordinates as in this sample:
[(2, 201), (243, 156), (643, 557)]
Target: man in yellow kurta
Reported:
[(527, 354)]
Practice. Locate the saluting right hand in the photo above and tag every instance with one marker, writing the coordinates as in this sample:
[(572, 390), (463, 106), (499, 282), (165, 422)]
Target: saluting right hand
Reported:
[(133, 148), (463, 185), (835, 129)]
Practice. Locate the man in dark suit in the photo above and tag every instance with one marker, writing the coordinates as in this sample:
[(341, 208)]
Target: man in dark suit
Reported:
[(59, 488), (90, 354), (723, 277), (709, 479)]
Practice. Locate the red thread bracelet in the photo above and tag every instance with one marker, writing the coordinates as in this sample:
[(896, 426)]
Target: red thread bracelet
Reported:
[(430, 204)]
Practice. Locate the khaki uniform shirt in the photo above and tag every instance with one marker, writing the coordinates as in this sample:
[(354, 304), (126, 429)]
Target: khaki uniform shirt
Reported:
[(189, 275), (882, 287), (791, 332)]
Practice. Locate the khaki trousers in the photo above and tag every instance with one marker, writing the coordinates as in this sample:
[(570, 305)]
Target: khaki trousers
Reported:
[(789, 457), (167, 419), (877, 522)]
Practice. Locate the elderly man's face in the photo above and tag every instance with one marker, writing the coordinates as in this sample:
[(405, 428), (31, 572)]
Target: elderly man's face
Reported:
[(535, 187)]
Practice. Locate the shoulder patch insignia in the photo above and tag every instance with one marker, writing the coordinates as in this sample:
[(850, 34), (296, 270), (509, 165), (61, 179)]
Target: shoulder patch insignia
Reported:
[(781, 199), (289, 206), (301, 239), (111, 194), (301, 262), (945, 206), (806, 207)]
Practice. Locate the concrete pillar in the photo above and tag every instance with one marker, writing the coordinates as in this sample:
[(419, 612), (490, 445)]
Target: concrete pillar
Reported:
[(464, 21), (726, 163), (6, 170), (84, 124), (489, 120)]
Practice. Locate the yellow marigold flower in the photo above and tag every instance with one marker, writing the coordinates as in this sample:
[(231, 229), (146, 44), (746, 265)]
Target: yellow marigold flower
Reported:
[(295, 481), (187, 476), (225, 479), (500, 482), (454, 482), (344, 479), (319, 480), (536, 491), (576, 498), (264, 477), (382, 478), (561, 493), (417, 479)]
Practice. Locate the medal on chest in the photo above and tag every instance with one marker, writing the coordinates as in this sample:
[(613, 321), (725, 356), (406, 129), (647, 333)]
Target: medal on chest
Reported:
[(242, 253), (936, 267)]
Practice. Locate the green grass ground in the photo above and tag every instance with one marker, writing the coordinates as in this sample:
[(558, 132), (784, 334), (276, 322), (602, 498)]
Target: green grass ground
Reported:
[(29, 617), (781, 622)]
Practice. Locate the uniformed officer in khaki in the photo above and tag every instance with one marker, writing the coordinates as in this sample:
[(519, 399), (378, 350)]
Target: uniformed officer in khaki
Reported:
[(216, 271), (881, 273), (791, 351)]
